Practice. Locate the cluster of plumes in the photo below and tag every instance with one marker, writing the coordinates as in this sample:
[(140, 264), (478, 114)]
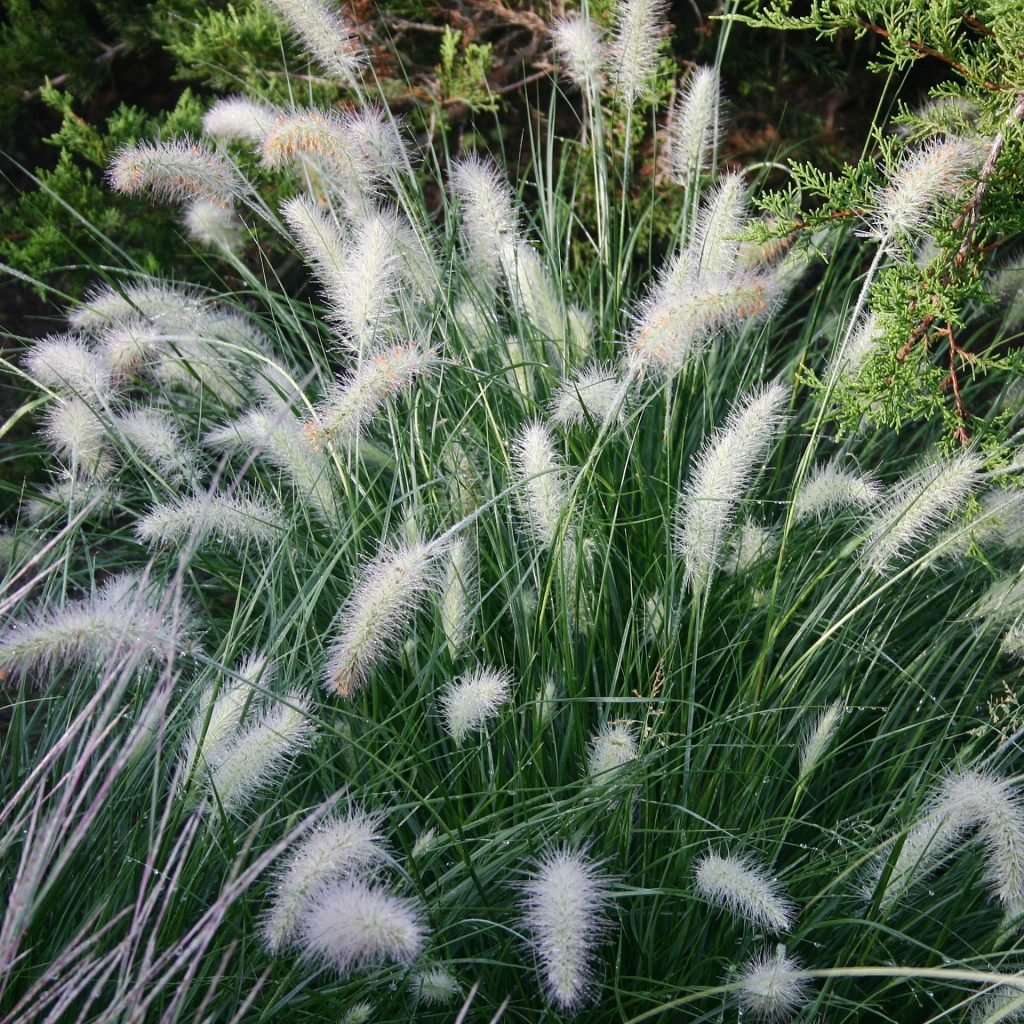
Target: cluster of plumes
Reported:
[(627, 61), (965, 801), (240, 743), (330, 903)]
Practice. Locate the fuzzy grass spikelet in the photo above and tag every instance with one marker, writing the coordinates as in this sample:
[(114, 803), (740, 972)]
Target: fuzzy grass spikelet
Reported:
[(213, 225), (176, 172), (359, 397), (232, 520), (119, 618), (916, 506), (157, 437), (490, 224), (470, 701), (353, 925), (771, 988), (237, 118), (634, 47), (337, 849), (458, 594), (715, 245), (819, 737), (435, 987), (377, 614), (68, 365), (564, 907), (589, 395), (720, 479), (580, 50), (829, 489), (261, 753), (542, 475), (326, 34), (74, 430), (695, 126), (745, 889), (611, 749)]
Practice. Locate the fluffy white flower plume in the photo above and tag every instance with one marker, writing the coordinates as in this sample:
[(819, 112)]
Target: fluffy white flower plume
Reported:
[(564, 914), (118, 618), (771, 988), (277, 436), (153, 301), (176, 172), (916, 506), (322, 243), (905, 206), (695, 126), (213, 225), (458, 594), (261, 753), (1000, 522), (356, 400), (611, 749), (353, 925), (714, 247), (746, 890), (67, 364), (233, 520), (580, 50), (218, 717), (434, 987), (75, 431), (965, 800), (490, 225), (157, 438), (829, 489), (378, 612), (326, 33), (590, 395), (541, 473), (534, 291), (721, 477), (238, 118), (337, 849), (818, 738), (72, 496), (682, 313), (470, 701), (634, 48)]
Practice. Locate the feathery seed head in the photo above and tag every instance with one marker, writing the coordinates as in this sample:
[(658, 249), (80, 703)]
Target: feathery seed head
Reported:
[(829, 489), (214, 225), (374, 619), (176, 172), (238, 118), (770, 987), (66, 363), (564, 907), (261, 754), (534, 291), (924, 178), (749, 544), (352, 925), (470, 701), (74, 430), (338, 848), (1000, 523), (695, 126), (723, 473), (818, 738), (591, 394), (639, 27), (153, 301), (490, 225), (72, 496), (715, 244), (611, 749), (119, 618), (458, 594), (233, 520), (326, 34), (863, 341), (358, 398), (435, 987), (916, 506), (745, 889), (580, 51), (157, 437), (543, 478)]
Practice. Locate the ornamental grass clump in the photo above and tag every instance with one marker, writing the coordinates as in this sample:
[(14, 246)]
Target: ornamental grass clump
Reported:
[(483, 529)]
